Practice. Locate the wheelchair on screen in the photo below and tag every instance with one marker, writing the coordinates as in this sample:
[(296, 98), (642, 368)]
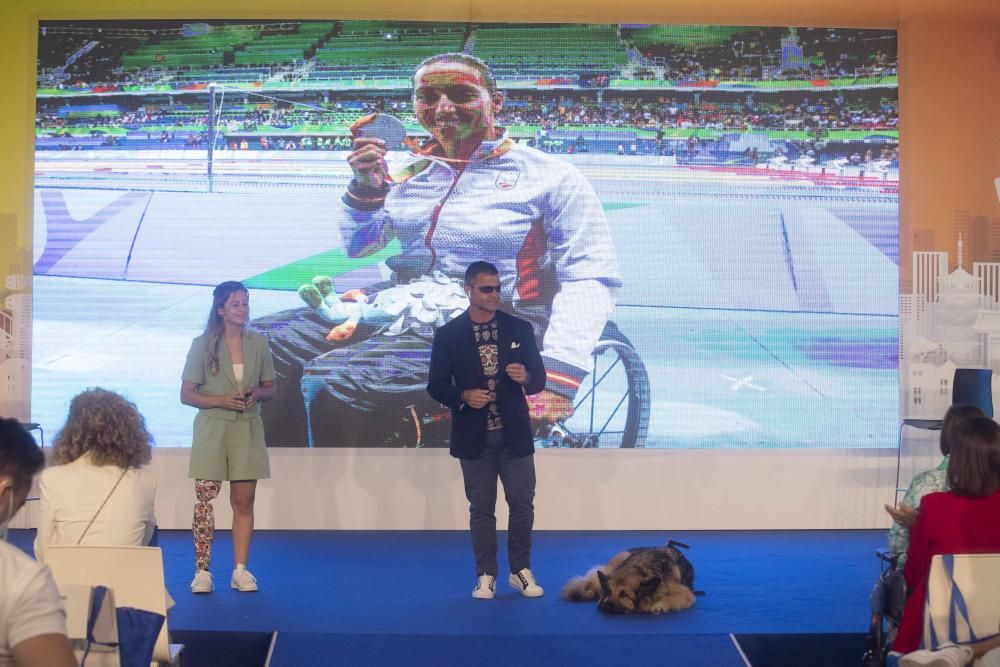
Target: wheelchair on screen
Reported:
[(611, 409)]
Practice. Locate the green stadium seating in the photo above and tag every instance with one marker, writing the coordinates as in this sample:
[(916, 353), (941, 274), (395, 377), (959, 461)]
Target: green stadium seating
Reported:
[(363, 50), (555, 49)]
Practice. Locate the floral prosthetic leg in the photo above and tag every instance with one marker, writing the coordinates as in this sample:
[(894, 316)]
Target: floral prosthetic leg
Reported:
[(203, 526)]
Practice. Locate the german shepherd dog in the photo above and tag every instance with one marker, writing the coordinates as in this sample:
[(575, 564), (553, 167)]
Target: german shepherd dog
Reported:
[(644, 580)]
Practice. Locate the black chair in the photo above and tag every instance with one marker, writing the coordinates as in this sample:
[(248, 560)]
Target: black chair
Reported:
[(973, 386), (969, 386)]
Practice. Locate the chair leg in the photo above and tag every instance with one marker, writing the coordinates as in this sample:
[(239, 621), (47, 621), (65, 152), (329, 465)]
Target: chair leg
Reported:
[(899, 462)]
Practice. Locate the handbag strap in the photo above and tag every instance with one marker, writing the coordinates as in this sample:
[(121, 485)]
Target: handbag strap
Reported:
[(106, 498)]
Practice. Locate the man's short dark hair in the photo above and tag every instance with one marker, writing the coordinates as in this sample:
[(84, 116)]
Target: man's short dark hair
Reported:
[(974, 465), (464, 58), (477, 268), (20, 457)]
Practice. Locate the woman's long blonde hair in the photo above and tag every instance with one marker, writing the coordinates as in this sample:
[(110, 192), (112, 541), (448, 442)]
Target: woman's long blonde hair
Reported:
[(215, 326)]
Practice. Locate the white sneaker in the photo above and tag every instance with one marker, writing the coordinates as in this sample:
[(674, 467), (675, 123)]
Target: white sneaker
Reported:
[(524, 581), (202, 582), (486, 587), (946, 655), (243, 581)]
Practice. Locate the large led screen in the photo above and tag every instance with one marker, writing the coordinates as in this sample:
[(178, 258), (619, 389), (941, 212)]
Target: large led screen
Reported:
[(700, 222)]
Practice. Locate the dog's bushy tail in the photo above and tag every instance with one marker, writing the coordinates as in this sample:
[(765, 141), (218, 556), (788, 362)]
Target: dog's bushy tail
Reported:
[(583, 589)]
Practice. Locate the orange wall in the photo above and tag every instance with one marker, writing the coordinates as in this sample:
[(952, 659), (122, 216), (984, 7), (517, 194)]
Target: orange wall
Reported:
[(950, 130)]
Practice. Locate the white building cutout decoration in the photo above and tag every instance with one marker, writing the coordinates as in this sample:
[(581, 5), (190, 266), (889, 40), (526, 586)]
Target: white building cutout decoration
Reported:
[(951, 320), (15, 349)]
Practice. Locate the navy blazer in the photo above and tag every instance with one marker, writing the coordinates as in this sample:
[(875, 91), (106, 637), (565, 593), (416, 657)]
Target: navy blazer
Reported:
[(455, 367)]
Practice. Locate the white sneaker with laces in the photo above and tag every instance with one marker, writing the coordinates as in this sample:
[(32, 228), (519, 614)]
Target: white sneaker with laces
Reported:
[(243, 581), (524, 581), (946, 655), (202, 582), (486, 587)]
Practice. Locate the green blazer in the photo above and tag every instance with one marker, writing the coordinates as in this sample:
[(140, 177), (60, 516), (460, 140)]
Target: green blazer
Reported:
[(257, 367)]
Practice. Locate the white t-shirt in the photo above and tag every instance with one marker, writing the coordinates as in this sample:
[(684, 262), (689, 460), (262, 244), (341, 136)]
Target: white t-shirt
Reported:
[(30, 604)]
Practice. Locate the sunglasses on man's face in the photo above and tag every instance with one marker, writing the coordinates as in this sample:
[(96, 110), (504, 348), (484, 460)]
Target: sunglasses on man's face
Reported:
[(486, 289)]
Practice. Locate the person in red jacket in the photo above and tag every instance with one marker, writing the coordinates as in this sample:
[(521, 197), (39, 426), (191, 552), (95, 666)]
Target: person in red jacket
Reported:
[(961, 521)]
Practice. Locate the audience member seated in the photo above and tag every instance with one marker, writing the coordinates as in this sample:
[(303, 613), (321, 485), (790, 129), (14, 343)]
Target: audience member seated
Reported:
[(960, 521), (32, 617), (99, 494), (929, 481)]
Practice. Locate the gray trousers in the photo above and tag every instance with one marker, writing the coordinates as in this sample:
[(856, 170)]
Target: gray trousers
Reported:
[(518, 477)]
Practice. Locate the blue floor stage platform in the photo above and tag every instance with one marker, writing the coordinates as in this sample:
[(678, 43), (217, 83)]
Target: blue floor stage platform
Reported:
[(772, 599)]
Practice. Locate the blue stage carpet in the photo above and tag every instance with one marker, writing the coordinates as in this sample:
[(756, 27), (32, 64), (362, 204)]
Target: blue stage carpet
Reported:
[(403, 597)]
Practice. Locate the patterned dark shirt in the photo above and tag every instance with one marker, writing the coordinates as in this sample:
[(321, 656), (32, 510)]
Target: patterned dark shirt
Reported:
[(489, 357)]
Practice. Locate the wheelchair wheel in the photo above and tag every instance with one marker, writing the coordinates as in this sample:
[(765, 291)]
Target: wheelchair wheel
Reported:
[(611, 409), (612, 405)]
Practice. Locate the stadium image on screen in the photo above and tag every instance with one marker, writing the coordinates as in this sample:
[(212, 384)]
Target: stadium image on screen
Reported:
[(731, 191)]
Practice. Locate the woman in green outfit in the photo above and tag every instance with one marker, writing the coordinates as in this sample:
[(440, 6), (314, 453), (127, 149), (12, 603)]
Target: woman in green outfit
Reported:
[(227, 373)]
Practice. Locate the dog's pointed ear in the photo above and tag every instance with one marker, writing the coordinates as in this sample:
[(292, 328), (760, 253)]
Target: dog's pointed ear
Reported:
[(603, 579), (649, 586)]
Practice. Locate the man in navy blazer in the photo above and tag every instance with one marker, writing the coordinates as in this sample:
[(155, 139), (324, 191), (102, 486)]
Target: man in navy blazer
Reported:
[(483, 364)]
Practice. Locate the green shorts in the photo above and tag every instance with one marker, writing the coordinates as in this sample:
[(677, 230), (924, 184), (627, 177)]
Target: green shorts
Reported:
[(228, 450)]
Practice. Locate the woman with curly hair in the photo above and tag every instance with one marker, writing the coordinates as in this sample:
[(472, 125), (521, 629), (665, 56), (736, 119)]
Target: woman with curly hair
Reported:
[(99, 493), (227, 373)]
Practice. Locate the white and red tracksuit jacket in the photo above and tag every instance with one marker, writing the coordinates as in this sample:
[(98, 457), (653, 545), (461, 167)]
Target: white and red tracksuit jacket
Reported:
[(533, 215)]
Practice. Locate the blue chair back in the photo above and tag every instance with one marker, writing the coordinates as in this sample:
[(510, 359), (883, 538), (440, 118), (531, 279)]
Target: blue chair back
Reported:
[(973, 386)]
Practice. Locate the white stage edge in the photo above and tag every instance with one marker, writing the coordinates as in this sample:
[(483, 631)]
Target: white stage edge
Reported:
[(680, 489)]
